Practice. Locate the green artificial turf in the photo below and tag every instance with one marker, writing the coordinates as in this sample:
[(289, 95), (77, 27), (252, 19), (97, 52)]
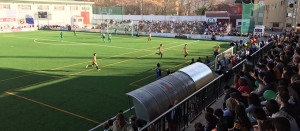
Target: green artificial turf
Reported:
[(53, 88)]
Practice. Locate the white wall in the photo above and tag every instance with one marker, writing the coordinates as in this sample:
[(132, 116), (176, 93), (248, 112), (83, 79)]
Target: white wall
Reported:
[(97, 19), (57, 17)]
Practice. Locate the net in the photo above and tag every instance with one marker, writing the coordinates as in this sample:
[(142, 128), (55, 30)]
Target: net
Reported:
[(246, 16), (253, 14), (108, 10), (127, 29), (227, 54)]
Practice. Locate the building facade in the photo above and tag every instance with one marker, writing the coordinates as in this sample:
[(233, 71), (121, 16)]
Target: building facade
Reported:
[(43, 12), (274, 14)]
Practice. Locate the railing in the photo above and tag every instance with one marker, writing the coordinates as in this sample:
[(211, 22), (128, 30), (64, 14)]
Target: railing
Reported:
[(202, 98)]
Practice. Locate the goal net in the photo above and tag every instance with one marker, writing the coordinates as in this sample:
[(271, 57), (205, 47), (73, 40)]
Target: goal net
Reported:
[(227, 54), (126, 29)]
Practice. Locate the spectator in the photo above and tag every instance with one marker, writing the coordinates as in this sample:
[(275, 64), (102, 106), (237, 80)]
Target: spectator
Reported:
[(193, 61), (242, 122), (199, 60), (244, 88), (120, 124), (281, 124), (260, 116), (210, 110), (198, 127), (221, 127), (193, 112), (273, 109), (230, 111), (140, 123), (207, 61), (267, 125), (174, 117), (106, 127), (228, 90), (291, 109), (211, 121), (254, 102)]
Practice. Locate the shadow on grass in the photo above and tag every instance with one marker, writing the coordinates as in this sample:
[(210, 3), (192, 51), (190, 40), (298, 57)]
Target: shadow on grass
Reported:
[(95, 97)]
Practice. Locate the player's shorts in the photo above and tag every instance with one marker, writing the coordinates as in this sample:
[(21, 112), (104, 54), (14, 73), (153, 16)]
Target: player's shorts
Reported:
[(109, 38), (94, 63), (103, 37)]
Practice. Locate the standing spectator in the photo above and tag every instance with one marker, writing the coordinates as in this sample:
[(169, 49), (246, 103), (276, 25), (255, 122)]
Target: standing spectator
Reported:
[(120, 124), (174, 117), (199, 60), (193, 61), (211, 121), (207, 61), (198, 127)]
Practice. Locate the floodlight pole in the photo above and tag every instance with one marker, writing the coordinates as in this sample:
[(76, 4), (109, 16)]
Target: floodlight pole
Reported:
[(142, 10)]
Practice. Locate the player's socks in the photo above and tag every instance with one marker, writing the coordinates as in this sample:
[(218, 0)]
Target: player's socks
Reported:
[(161, 56), (97, 67)]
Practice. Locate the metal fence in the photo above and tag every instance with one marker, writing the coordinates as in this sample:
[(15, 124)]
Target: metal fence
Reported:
[(202, 98)]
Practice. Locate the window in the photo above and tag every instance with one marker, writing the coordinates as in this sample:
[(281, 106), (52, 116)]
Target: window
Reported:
[(42, 14), (239, 23), (74, 20), (4, 6), (24, 7), (85, 8), (73, 7), (60, 7), (288, 25), (275, 24), (260, 15), (43, 7), (79, 20)]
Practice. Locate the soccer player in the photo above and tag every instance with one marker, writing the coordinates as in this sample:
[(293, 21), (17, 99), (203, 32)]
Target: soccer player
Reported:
[(116, 30), (149, 37), (75, 32), (94, 63), (185, 51), (217, 50), (158, 71), (159, 51), (103, 36), (109, 38), (61, 36)]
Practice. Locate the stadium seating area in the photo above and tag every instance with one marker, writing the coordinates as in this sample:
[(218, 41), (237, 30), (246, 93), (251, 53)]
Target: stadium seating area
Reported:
[(264, 96)]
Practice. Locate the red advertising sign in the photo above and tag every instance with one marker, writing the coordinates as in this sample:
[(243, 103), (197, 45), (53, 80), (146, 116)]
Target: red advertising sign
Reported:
[(7, 19)]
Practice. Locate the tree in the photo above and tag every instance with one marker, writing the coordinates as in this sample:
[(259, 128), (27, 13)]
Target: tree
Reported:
[(201, 10)]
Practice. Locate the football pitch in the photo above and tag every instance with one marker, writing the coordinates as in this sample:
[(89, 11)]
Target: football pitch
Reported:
[(45, 85)]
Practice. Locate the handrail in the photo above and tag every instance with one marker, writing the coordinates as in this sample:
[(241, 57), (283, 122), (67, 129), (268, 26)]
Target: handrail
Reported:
[(203, 88)]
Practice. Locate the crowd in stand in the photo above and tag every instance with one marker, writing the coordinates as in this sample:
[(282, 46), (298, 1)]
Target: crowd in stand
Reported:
[(264, 96), (187, 27)]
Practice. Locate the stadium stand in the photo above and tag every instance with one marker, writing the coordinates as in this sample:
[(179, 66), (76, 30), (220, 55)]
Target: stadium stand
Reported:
[(244, 110)]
